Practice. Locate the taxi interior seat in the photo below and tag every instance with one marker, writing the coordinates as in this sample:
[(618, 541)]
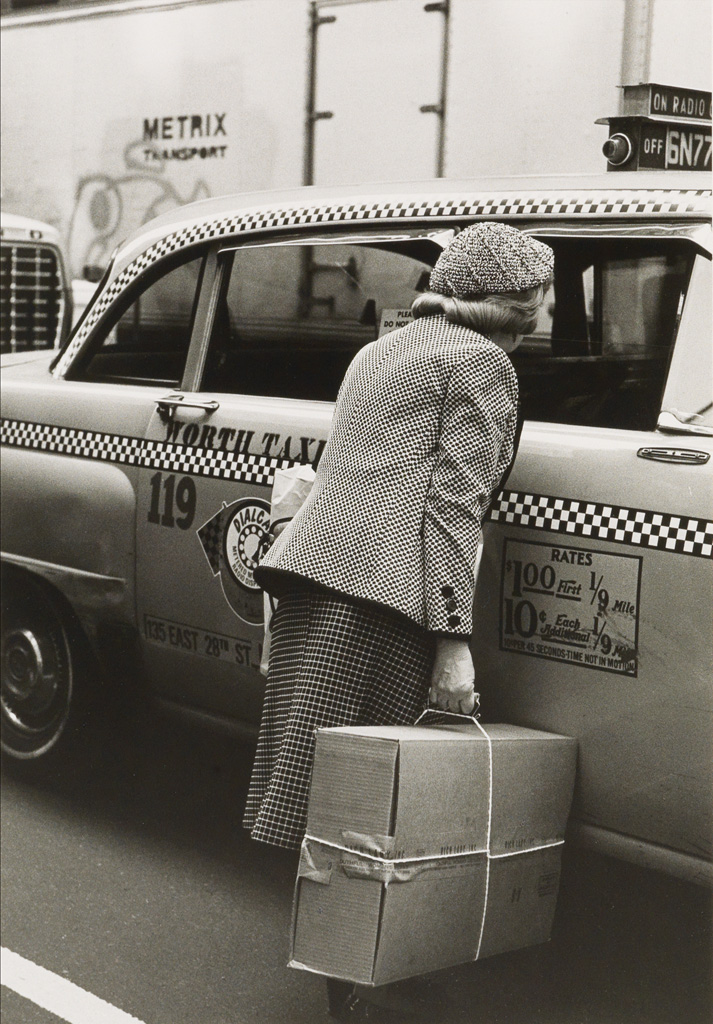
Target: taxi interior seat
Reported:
[(592, 391), (150, 356), (276, 372), (288, 359), (602, 359)]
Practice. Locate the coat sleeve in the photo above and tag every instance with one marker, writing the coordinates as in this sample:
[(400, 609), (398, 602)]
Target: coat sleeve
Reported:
[(475, 447)]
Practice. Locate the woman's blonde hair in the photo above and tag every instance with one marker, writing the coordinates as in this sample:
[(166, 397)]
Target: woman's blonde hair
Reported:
[(508, 312)]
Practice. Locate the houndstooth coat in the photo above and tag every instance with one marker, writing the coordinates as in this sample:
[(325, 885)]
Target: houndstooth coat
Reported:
[(423, 430)]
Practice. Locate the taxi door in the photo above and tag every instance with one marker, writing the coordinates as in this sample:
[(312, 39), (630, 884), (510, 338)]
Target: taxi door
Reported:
[(276, 327), (204, 521), (594, 595)]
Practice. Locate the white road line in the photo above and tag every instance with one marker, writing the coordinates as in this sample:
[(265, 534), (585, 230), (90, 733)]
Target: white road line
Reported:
[(57, 995)]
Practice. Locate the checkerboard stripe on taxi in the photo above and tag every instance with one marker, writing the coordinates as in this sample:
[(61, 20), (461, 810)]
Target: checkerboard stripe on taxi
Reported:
[(599, 521), (596, 520), (148, 454)]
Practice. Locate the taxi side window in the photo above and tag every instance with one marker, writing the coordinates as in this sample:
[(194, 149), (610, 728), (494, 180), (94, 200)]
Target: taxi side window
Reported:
[(146, 338), (290, 318), (601, 350)]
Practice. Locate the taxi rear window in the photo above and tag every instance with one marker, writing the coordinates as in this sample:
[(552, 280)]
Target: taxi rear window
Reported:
[(600, 352)]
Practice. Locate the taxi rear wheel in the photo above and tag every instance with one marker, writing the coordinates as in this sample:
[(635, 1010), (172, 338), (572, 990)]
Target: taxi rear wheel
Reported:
[(40, 671)]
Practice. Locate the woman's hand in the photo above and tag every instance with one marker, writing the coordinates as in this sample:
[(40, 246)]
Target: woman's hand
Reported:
[(272, 535), (453, 677)]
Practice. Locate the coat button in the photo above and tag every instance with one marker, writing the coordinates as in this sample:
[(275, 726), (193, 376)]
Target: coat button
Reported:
[(451, 604), (454, 620), (447, 591)]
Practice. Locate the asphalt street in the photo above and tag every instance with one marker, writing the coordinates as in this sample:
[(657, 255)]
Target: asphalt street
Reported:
[(128, 873)]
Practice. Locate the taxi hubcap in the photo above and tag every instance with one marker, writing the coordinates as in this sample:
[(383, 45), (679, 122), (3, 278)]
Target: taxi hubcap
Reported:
[(36, 674), (28, 686)]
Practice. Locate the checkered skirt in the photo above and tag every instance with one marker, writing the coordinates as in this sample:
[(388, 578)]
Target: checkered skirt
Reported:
[(333, 661)]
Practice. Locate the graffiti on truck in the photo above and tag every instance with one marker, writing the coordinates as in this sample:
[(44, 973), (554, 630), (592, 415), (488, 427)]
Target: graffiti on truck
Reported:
[(107, 208)]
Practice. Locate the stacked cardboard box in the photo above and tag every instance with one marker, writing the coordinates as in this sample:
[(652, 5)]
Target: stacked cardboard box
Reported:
[(428, 847)]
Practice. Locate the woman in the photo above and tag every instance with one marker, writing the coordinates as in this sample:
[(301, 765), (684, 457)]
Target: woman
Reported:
[(375, 575)]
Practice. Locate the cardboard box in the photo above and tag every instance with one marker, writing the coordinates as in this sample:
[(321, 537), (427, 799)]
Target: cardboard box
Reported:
[(418, 857)]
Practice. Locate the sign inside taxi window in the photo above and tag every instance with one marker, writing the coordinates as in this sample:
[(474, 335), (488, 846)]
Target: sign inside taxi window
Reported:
[(392, 319), (571, 604)]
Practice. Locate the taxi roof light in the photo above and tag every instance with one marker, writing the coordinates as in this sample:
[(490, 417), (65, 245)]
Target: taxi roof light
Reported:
[(617, 149), (660, 128)]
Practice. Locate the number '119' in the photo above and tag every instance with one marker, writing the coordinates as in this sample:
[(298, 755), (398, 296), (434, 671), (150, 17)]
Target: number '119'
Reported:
[(182, 496)]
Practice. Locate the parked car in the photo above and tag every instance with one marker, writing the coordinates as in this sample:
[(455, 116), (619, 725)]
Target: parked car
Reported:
[(137, 467), (35, 294)]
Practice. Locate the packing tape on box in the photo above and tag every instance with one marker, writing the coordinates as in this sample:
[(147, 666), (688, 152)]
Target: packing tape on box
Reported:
[(377, 846), (318, 859), (366, 857), (388, 871), (312, 865)]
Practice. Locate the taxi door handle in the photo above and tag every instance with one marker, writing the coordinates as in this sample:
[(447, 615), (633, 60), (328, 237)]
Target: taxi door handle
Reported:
[(684, 456), (167, 406)]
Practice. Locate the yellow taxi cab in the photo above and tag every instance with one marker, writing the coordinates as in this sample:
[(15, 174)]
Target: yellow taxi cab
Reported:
[(137, 469)]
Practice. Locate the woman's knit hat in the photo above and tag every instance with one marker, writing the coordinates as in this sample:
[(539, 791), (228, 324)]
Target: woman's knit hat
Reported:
[(489, 258)]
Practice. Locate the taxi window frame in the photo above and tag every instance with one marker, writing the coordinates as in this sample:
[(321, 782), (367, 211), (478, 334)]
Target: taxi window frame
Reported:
[(673, 420), (697, 234), (399, 239), (101, 284), (116, 309)]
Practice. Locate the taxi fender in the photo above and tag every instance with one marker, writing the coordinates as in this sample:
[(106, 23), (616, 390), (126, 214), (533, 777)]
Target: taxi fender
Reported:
[(72, 522)]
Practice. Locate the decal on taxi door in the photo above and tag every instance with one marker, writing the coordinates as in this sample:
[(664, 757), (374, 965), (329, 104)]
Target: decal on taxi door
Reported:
[(233, 541), (203, 642), (570, 604)]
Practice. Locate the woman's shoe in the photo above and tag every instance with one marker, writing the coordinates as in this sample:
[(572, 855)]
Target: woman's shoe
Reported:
[(346, 1004), (415, 999)]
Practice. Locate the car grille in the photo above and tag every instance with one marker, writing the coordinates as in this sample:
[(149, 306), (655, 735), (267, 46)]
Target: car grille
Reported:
[(31, 299)]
